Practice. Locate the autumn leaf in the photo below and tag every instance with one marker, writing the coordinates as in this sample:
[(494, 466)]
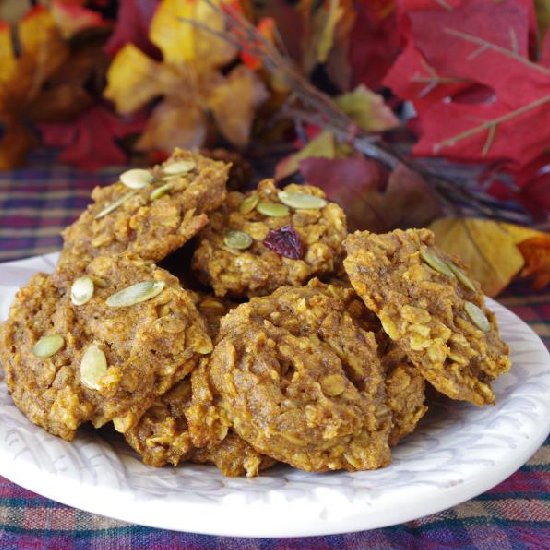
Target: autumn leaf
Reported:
[(42, 52), (181, 41), (132, 26), (370, 198), (266, 28), (72, 18), (192, 90), (489, 247), (542, 8), (367, 109), (374, 42), (333, 13), (89, 141), (323, 145), (478, 43), (233, 117), (536, 252)]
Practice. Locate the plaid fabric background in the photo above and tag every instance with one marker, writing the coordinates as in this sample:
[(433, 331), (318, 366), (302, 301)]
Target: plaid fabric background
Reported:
[(35, 203)]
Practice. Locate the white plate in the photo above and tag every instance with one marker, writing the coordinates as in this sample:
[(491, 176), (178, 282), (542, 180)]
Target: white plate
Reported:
[(458, 452)]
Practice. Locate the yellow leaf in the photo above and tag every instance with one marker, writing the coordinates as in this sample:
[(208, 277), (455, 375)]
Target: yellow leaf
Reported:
[(367, 109), (488, 247), (133, 79), (7, 57), (40, 40), (323, 145), (174, 123), (234, 118), (324, 45), (173, 31), (192, 90)]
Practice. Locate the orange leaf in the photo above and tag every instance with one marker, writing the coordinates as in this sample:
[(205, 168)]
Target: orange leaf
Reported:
[(266, 27), (536, 252)]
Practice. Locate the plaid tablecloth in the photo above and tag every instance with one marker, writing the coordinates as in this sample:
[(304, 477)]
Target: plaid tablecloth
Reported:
[(35, 203)]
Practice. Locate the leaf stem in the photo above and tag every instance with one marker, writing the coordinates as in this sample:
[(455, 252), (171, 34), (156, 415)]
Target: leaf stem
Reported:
[(491, 125), (486, 45)]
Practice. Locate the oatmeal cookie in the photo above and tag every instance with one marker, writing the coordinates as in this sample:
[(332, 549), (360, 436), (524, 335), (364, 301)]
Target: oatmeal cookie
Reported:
[(429, 305), (149, 212), (405, 387), (101, 345), (186, 423), (300, 379), (256, 242), (234, 457)]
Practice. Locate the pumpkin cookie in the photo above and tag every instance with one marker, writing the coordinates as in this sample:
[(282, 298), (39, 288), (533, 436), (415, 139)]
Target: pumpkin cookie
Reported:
[(405, 387), (300, 379), (186, 423), (431, 308), (268, 238), (101, 345), (149, 212)]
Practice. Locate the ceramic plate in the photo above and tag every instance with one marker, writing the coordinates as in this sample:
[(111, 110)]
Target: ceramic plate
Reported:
[(458, 452)]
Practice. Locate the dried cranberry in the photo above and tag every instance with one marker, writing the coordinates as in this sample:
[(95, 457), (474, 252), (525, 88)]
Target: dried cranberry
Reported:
[(286, 242)]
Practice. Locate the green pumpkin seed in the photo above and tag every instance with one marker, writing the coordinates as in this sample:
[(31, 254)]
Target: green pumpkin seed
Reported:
[(274, 209), (461, 276), (114, 205), (249, 204), (136, 178), (82, 290), (48, 346), (301, 200), (135, 294), (93, 366), (436, 262), (478, 317), (238, 240), (160, 191), (179, 167)]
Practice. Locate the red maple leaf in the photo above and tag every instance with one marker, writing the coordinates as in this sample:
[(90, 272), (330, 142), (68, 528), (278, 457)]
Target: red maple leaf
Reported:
[(89, 142), (459, 46)]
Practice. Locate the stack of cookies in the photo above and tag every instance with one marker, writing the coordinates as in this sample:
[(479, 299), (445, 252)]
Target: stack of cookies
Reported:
[(277, 338)]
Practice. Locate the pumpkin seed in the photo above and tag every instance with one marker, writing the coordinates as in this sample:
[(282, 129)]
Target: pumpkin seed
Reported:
[(179, 167), (299, 200), (136, 178), (461, 276), (238, 240), (436, 262), (478, 317), (93, 366), (114, 205), (48, 346), (162, 190), (82, 290), (274, 209), (249, 204), (135, 294)]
